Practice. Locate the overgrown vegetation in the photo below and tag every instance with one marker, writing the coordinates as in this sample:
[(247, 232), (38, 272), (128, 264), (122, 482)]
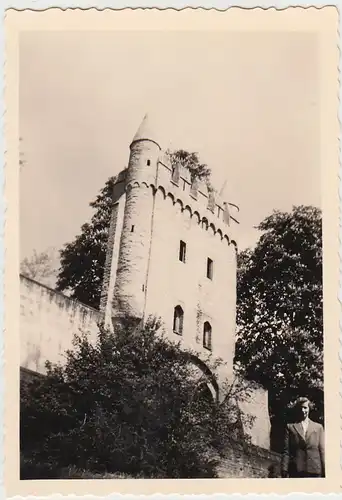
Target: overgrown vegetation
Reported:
[(134, 403), (191, 162)]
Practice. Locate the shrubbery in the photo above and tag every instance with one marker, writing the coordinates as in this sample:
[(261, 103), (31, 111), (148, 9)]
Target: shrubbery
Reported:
[(132, 404)]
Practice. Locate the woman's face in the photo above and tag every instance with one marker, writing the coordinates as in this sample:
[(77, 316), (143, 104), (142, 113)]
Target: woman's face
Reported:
[(304, 410)]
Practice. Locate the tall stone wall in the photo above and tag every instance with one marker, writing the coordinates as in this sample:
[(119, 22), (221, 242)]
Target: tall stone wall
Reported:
[(48, 322), (161, 210), (172, 282), (242, 461), (256, 405)]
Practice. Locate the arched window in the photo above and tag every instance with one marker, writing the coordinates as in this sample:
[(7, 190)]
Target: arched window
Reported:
[(207, 336), (205, 223), (178, 317)]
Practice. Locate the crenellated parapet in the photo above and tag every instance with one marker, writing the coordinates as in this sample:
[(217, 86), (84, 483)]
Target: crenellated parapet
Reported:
[(204, 196), (203, 203)]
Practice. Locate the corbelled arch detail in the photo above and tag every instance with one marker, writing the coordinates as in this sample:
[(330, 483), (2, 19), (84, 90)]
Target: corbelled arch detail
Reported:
[(202, 219)]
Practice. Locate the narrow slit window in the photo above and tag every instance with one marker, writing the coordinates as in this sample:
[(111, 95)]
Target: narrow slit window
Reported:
[(148, 163), (178, 318), (182, 251), (207, 343), (210, 268), (132, 229)]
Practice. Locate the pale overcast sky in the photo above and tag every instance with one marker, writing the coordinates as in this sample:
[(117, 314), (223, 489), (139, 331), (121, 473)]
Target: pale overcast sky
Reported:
[(247, 103)]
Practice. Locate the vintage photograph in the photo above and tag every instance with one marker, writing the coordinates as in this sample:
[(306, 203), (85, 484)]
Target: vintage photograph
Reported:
[(171, 253)]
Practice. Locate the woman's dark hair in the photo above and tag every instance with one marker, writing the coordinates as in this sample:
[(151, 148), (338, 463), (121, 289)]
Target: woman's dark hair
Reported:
[(300, 401)]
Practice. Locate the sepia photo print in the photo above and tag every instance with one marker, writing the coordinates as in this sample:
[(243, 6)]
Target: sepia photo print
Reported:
[(177, 251)]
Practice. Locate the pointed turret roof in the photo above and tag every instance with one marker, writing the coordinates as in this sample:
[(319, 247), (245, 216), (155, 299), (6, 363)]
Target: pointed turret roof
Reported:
[(145, 132)]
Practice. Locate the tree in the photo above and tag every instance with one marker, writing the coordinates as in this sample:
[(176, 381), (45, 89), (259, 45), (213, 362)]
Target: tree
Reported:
[(133, 403), (191, 162), (83, 260), (280, 308), (41, 266)]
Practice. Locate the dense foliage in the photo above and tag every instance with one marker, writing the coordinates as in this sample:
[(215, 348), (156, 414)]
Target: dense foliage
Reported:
[(82, 260), (133, 403), (280, 308), (191, 162)]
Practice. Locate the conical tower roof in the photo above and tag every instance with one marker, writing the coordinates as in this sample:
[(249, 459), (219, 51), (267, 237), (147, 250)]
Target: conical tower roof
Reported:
[(146, 132)]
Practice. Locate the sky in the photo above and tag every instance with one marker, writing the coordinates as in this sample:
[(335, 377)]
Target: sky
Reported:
[(247, 102)]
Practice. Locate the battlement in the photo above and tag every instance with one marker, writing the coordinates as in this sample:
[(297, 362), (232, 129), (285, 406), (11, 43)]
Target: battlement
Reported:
[(202, 202), (199, 191)]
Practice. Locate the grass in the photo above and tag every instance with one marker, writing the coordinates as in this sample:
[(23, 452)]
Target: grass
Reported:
[(31, 470)]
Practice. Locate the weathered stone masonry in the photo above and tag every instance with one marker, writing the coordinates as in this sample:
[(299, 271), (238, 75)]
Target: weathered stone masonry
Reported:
[(48, 322)]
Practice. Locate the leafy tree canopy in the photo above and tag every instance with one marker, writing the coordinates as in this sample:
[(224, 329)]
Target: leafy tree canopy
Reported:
[(83, 260), (191, 162), (280, 308), (132, 403)]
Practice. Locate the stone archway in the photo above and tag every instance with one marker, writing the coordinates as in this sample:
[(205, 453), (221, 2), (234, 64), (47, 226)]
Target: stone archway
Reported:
[(208, 386)]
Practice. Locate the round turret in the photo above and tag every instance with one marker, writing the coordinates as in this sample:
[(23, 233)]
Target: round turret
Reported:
[(132, 270)]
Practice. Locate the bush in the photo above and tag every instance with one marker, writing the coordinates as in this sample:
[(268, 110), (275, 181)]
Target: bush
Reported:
[(133, 403)]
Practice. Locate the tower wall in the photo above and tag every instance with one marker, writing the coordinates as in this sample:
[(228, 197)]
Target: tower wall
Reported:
[(113, 247), (133, 260), (172, 282)]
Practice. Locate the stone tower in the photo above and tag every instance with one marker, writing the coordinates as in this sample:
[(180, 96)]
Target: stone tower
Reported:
[(172, 252), (135, 245)]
